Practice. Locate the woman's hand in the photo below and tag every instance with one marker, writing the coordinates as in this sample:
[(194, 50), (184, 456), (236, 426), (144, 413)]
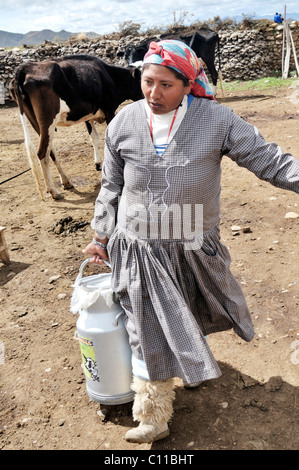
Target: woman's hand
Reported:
[(97, 252)]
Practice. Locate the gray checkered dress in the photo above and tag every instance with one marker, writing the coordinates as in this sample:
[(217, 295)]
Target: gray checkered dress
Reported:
[(161, 214)]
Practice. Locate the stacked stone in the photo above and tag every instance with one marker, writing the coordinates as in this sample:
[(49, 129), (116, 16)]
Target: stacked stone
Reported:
[(245, 54)]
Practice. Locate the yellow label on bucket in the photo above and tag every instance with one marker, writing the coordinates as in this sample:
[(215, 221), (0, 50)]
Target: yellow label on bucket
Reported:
[(88, 358)]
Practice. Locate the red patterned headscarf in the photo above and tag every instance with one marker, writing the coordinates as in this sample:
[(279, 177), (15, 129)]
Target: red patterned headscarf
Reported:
[(180, 57)]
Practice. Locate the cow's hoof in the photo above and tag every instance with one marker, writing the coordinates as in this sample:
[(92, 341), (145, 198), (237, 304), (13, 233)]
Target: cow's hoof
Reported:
[(98, 167), (68, 185), (56, 196)]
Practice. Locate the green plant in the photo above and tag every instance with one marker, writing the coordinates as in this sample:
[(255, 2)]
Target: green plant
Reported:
[(260, 84)]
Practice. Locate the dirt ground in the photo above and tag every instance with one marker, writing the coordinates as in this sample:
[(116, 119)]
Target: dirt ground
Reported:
[(43, 400)]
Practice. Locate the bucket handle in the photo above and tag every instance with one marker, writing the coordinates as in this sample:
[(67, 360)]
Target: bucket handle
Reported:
[(83, 266), (115, 322)]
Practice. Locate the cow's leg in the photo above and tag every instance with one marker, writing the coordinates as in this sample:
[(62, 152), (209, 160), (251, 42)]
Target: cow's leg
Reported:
[(63, 178), (44, 150), (213, 73), (47, 118), (216, 76), (94, 137), (48, 178)]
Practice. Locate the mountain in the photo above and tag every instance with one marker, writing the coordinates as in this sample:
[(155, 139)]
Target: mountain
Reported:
[(35, 37), (9, 39), (38, 37)]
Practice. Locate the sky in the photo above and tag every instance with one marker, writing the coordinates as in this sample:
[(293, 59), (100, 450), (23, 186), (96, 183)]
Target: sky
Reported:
[(104, 17)]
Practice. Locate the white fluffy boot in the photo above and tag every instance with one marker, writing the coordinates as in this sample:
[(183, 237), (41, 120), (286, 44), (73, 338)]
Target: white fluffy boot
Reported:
[(152, 408)]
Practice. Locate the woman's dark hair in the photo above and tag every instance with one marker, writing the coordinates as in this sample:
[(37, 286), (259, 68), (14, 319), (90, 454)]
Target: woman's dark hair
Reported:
[(178, 75)]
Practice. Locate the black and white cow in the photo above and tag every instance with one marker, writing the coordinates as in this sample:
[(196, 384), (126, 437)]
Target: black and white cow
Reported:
[(63, 92), (203, 42)]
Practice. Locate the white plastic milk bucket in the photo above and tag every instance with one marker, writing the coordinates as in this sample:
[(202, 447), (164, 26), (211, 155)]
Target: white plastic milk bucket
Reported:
[(104, 342)]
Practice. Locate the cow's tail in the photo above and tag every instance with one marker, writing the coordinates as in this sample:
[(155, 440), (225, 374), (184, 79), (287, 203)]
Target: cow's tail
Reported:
[(17, 94), (15, 88), (220, 77), (32, 156)]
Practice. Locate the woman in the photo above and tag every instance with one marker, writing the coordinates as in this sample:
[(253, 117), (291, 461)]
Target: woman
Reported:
[(158, 213)]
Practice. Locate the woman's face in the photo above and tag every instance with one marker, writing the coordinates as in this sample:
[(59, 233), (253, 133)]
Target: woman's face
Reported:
[(162, 90)]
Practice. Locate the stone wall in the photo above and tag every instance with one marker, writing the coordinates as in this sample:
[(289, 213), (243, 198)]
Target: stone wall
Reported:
[(251, 54), (245, 54)]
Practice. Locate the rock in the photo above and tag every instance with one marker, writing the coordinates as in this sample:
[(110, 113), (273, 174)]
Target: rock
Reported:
[(291, 215), (274, 384), (235, 228), (247, 381), (102, 414), (54, 278), (224, 404), (255, 403), (190, 444), (58, 229), (61, 296)]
